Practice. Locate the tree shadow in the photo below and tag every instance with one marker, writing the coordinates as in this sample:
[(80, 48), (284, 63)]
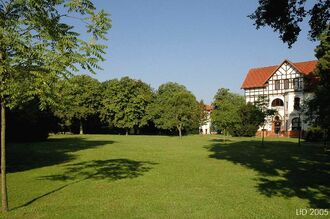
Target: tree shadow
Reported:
[(111, 170), (26, 156), (284, 168)]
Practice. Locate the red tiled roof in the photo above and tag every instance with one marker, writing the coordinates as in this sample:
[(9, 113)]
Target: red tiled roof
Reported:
[(257, 77)]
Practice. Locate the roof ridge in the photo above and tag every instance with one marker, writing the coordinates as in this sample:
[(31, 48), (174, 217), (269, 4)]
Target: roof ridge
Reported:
[(264, 67), (315, 60), (305, 61)]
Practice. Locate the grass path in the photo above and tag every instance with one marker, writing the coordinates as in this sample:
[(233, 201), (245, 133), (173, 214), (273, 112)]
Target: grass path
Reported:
[(111, 176)]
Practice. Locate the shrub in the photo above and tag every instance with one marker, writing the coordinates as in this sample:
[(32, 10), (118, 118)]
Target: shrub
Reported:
[(247, 130), (314, 134)]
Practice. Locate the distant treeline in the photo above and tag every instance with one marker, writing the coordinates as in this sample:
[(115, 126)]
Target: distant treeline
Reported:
[(82, 104)]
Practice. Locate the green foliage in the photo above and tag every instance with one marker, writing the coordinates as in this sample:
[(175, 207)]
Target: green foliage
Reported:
[(318, 106), (78, 98), (314, 134), (285, 16), (125, 101), (262, 104), (226, 109), (37, 46), (251, 117), (174, 107)]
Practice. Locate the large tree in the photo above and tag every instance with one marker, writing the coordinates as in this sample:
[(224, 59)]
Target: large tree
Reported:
[(251, 117), (226, 109), (174, 107), (124, 103), (79, 97), (286, 16), (318, 106), (37, 46)]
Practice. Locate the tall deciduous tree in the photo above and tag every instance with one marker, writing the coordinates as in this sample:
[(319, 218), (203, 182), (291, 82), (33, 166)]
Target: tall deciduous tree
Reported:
[(318, 106), (37, 46), (79, 97), (175, 108), (285, 17), (226, 109), (124, 103), (251, 117)]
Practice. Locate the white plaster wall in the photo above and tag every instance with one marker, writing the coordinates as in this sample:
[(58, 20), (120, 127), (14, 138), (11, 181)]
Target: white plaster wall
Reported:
[(206, 128)]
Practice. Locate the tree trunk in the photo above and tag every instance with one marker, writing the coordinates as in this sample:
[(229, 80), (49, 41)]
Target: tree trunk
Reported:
[(3, 159), (126, 132), (263, 135), (224, 136), (179, 127), (325, 137), (81, 128)]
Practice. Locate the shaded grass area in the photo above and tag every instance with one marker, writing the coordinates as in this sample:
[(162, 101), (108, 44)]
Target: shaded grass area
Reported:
[(284, 169), (25, 156), (111, 176)]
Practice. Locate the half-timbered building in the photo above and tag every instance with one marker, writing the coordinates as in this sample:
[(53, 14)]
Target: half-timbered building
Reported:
[(284, 88)]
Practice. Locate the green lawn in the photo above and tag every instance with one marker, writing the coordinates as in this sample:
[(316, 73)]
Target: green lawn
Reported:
[(112, 176)]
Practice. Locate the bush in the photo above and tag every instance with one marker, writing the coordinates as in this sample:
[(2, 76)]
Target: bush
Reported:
[(247, 130), (314, 134)]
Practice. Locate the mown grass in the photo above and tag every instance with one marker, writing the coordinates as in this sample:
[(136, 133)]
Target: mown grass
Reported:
[(111, 176)]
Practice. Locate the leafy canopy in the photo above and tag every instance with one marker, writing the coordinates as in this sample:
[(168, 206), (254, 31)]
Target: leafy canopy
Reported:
[(251, 117), (124, 102), (78, 97), (285, 17), (174, 107), (318, 106), (226, 109), (37, 45)]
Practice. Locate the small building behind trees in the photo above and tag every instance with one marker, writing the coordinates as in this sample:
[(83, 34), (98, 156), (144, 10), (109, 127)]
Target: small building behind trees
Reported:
[(206, 126)]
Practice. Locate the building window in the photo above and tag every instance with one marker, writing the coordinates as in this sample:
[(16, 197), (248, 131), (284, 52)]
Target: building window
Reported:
[(277, 102), (286, 84), (295, 124), (296, 104), (277, 85), (296, 84)]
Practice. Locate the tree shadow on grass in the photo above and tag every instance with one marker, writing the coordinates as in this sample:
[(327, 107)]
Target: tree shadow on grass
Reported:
[(111, 170), (284, 168), (26, 156)]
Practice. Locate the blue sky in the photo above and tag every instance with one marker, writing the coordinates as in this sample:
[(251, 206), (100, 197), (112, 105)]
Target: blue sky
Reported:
[(204, 45)]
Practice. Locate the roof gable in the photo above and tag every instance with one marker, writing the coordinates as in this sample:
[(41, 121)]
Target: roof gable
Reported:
[(257, 77)]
